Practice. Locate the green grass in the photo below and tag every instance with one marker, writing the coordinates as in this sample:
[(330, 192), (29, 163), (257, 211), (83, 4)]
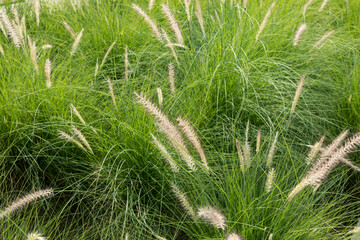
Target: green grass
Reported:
[(223, 80)]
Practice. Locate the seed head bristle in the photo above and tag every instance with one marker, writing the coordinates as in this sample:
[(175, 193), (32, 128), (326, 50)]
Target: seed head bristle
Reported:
[(35, 236), (69, 29), (25, 200), (160, 96), (314, 150), (106, 54), (270, 180), (73, 108), (298, 34), (183, 200), (148, 20), (266, 18), (212, 215), (323, 38), (37, 11), (241, 157), (247, 148), (171, 72), (297, 95), (69, 138), (173, 23), (166, 154), (48, 73), (2, 51), (76, 43), (187, 9), (191, 135), (111, 90), (169, 129), (82, 138), (307, 4), (151, 4), (272, 151), (126, 64), (10, 29), (199, 16), (258, 141), (323, 4), (233, 236), (33, 54)]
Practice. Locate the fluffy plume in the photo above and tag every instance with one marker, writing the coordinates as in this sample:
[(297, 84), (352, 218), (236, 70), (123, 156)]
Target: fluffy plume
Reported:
[(106, 54), (323, 38), (69, 29), (199, 16), (272, 151), (271, 236), (212, 215), (159, 237), (258, 141), (76, 42), (10, 29), (323, 166), (166, 154), (82, 138), (2, 51), (69, 138), (335, 144), (245, 3), (173, 23), (171, 71), (35, 236), (247, 149), (111, 91), (187, 9), (16, 15), (126, 64), (241, 157), (323, 5), (96, 67), (171, 132), (37, 11), (148, 20), (297, 95), (190, 133), (151, 4), (48, 73), (170, 45), (356, 230), (314, 150), (73, 108), (298, 34), (270, 180), (307, 5), (33, 54), (24, 201), (2, 27), (266, 18), (46, 46), (183, 200), (233, 236), (160, 96)]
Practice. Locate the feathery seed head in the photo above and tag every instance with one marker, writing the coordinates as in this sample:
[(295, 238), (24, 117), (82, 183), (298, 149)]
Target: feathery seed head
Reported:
[(270, 180), (151, 4), (297, 95), (111, 90), (166, 154), (69, 138), (126, 64), (37, 11), (323, 5), (35, 236), (106, 54), (323, 38), (33, 54), (25, 200), (199, 16), (82, 138), (266, 18), (314, 150), (173, 23), (69, 29), (148, 20), (241, 157), (170, 45), (73, 108), (212, 215), (76, 43), (160, 96), (258, 141), (272, 151), (10, 29), (298, 34), (183, 200), (171, 71), (48, 73), (233, 236)]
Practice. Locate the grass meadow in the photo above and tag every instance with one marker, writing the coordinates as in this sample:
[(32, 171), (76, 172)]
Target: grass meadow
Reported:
[(176, 120)]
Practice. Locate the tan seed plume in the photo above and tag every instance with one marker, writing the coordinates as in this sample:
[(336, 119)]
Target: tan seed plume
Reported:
[(107, 54), (25, 200), (151, 4), (16, 15), (245, 3), (170, 45), (111, 90), (37, 11), (212, 215), (297, 95), (171, 72), (82, 138), (270, 180), (169, 129), (307, 4), (46, 46), (69, 29), (271, 236), (73, 108), (148, 20), (76, 42), (48, 73), (323, 4), (323, 166), (126, 64), (35, 236), (247, 148), (191, 135), (160, 96), (173, 23), (2, 51), (69, 138), (298, 34), (183, 200), (266, 18), (314, 150), (241, 157), (10, 29), (258, 141), (272, 151), (233, 236), (166, 154), (323, 38), (3, 29), (199, 16), (187, 9), (33, 54)]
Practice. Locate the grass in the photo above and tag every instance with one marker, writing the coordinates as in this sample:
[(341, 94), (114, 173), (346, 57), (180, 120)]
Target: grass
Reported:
[(224, 79)]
